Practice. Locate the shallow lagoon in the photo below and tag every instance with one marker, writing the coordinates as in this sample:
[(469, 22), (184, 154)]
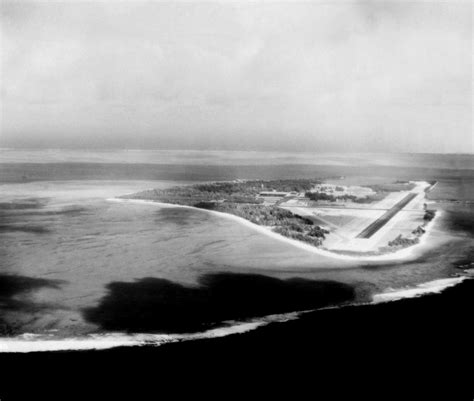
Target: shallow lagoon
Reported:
[(67, 249)]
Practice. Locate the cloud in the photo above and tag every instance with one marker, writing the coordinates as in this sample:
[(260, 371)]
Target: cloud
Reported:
[(362, 76)]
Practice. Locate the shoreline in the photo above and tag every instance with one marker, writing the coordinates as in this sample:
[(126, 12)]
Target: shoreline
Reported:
[(28, 342), (34, 343), (426, 335), (398, 255)]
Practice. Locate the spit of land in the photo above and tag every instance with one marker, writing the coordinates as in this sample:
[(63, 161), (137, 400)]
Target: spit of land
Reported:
[(351, 220)]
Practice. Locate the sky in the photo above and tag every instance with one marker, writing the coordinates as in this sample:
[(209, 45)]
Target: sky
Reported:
[(361, 76)]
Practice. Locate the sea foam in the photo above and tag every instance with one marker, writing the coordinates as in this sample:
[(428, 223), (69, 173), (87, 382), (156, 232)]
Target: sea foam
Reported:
[(430, 287), (29, 342)]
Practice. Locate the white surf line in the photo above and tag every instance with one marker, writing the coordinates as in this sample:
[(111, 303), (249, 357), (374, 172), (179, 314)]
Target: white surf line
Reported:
[(402, 254), (430, 287), (40, 343)]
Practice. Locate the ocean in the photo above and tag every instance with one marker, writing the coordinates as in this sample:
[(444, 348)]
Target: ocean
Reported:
[(79, 269)]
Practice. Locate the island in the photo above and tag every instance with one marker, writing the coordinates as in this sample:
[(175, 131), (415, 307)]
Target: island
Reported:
[(328, 214)]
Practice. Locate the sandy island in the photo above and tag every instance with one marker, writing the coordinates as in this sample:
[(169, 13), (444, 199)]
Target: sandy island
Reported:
[(398, 255)]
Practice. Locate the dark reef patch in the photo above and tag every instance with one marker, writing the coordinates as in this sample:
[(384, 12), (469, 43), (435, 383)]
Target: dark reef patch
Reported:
[(9, 212), (179, 216), (418, 348), (66, 211), (14, 290), (159, 305), (23, 204), (462, 219), (25, 228), (14, 285)]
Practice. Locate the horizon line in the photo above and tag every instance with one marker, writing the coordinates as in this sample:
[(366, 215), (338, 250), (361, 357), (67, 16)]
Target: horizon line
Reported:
[(228, 150)]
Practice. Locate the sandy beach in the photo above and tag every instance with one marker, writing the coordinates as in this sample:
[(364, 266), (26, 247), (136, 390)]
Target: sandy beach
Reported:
[(404, 254)]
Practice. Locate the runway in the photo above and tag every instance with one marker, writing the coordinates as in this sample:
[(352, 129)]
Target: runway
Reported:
[(382, 220)]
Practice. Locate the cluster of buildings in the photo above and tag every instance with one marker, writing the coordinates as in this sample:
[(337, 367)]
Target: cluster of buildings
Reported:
[(339, 190)]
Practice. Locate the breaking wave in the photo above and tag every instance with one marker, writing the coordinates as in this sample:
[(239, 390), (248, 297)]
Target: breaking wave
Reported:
[(39, 343), (430, 287)]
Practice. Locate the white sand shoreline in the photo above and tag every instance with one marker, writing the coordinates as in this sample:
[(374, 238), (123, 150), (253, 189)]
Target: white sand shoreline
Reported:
[(399, 255)]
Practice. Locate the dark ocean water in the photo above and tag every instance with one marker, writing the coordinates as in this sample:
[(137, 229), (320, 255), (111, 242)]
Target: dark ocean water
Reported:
[(75, 266)]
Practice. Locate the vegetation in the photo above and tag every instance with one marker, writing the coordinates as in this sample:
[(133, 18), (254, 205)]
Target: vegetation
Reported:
[(429, 215), (318, 196), (233, 191), (322, 196), (190, 195), (371, 198), (240, 198), (282, 221), (316, 241), (253, 188), (419, 230), (402, 182), (380, 192), (402, 241), (397, 186)]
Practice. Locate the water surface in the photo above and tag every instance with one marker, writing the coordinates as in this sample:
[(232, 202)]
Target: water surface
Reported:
[(71, 259)]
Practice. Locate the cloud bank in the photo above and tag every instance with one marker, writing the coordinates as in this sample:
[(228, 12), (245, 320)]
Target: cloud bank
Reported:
[(313, 76)]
